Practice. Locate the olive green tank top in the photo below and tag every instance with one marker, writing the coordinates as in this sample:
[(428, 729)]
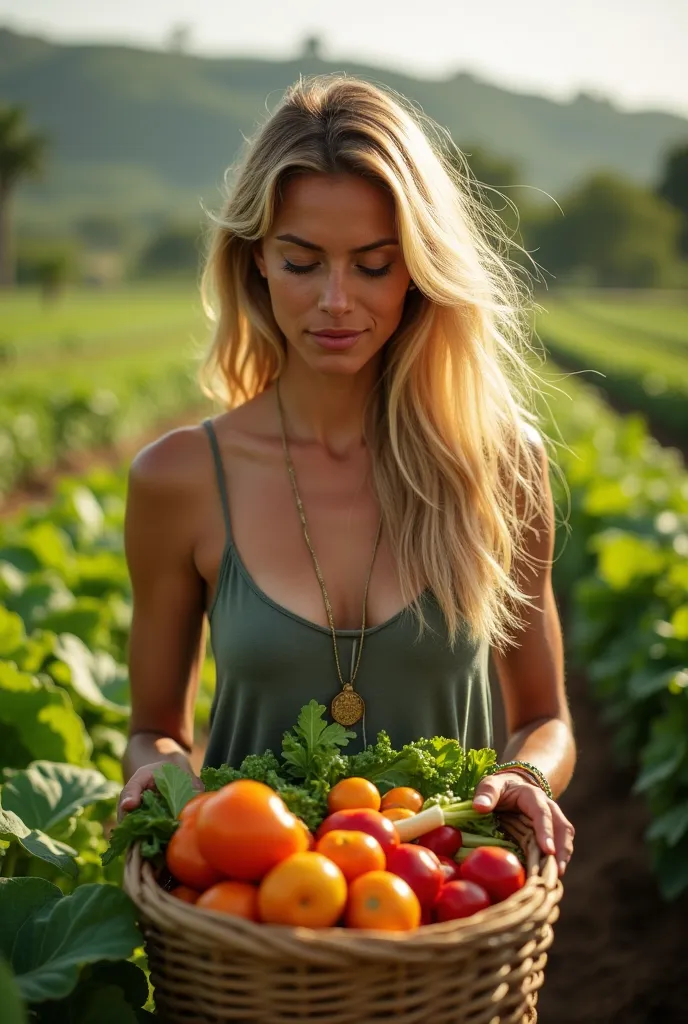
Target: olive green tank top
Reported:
[(270, 662)]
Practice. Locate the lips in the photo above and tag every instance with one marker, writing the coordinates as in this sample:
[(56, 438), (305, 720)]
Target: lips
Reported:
[(336, 340)]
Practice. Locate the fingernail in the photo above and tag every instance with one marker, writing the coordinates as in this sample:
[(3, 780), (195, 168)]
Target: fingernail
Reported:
[(562, 867), (482, 801), (549, 844)]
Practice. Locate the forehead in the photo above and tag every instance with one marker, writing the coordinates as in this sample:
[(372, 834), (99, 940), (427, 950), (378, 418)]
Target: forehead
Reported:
[(334, 210)]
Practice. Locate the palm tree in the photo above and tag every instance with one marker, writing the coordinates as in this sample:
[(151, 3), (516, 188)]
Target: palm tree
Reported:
[(22, 154)]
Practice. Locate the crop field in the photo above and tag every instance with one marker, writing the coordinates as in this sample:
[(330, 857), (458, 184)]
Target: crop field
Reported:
[(635, 350), (621, 578)]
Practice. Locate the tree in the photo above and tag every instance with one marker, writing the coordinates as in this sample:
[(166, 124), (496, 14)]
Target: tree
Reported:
[(22, 154), (673, 187), (613, 234), (175, 249)]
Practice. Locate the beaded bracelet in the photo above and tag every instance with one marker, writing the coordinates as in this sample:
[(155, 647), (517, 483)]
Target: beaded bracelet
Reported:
[(527, 767)]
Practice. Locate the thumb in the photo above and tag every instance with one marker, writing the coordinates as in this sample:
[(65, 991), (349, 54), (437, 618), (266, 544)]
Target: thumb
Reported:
[(487, 794)]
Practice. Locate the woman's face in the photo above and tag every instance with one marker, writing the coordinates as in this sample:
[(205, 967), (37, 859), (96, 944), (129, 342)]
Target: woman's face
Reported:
[(333, 264)]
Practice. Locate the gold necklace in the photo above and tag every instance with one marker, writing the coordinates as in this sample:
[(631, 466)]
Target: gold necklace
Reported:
[(347, 706)]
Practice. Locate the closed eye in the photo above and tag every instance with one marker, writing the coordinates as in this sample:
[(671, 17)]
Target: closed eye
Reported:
[(294, 268)]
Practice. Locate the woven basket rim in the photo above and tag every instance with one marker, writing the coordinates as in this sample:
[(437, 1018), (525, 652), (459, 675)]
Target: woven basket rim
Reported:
[(536, 900)]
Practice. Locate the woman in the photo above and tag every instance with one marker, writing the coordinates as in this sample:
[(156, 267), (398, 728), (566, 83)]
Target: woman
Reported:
[(371, 518)]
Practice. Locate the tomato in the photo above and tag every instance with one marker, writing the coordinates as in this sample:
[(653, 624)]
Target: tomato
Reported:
[(497, 870), (184, 892), (459, 899), (354, 853), (186, 862), (310, 838), (403, 796), (240, 899), (305, 889), (397, 813), (445, 841), (420, 868), (450, 869), (383, 901), (353, 793), (372, 822), (245, 829), (191, 809)]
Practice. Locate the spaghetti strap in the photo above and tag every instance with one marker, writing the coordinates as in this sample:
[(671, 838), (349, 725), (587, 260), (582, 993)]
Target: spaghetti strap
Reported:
[(220, 474)]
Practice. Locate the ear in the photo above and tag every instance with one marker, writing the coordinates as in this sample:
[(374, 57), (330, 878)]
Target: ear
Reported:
[(259, 258)]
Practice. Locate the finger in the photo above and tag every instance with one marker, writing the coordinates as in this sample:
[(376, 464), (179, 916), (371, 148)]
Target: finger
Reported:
[(130, 797), (537, 807), (564, 834), (487, 793)]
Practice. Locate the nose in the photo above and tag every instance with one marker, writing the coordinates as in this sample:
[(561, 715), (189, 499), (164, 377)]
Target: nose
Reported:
[(335, 298)]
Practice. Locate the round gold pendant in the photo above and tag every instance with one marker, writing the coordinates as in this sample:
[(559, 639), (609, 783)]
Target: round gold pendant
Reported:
[(347, 707)]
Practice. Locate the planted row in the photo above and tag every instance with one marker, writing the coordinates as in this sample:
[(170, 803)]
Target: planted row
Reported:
[(622, 566)]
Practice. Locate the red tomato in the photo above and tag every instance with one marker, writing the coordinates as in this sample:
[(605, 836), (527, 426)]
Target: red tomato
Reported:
[(450, 869), (459, 899), (186, 862), (246, 829), (420, 868), (445, 841), (497, 870), (364, 820)]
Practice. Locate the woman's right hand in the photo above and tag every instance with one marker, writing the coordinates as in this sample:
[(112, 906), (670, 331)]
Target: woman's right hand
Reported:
[(143, 779)]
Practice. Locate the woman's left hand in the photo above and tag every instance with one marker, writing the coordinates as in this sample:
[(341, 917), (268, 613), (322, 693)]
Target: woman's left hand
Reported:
[(511, 791)]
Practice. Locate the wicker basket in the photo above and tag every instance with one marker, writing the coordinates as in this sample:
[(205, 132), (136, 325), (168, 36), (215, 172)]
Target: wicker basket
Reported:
[(207, 967)]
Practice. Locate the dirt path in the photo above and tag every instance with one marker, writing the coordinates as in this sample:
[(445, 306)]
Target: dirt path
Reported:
[(619, 953)]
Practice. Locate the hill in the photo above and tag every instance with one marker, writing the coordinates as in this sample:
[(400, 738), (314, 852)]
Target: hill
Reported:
[(149, 132)]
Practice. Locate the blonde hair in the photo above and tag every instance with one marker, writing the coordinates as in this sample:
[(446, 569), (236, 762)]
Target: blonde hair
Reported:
[(458, 478)]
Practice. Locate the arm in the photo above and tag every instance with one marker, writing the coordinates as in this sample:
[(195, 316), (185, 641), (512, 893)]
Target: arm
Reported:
[(167, 632), (531, 678)]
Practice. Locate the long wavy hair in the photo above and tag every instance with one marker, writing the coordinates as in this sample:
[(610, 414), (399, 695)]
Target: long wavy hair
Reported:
[(456, 463)]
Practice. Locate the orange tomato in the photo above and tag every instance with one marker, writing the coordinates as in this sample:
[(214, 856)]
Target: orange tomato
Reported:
[(310, 838), (186, 862), (382, 901), (306, 889), (191, 809), (239, 899), (354, 853), (246, 829), (403, 796), (397, 813), (352, 794), (184, 892)]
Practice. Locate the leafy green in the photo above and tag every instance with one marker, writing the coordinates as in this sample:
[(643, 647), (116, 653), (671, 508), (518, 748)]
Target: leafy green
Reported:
[(97, 922), (175, 787), (311, 749), (36, 842), (13, 1009), (149, 824)]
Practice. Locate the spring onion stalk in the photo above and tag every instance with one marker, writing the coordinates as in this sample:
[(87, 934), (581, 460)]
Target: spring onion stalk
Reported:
[(456, 814)]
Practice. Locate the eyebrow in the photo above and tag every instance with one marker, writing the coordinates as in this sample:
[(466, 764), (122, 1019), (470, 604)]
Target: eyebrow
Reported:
[(318, 248)]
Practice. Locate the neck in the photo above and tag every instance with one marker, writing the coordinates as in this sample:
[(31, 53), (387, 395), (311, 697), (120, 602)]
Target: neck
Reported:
[(328, 409)]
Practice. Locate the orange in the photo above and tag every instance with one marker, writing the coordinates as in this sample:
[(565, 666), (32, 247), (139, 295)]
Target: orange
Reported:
[(397, 813), (383, 901), (403, 796), (184, 892), (354, 853), (237, 898), (186, 862), (306, 889), (353, 794), (246, 829), (191, 809)]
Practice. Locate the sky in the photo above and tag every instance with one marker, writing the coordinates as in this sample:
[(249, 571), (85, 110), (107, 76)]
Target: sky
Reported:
[(632, 52)]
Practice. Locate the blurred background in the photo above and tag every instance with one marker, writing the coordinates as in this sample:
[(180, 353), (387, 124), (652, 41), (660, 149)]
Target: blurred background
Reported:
[(117, 122)]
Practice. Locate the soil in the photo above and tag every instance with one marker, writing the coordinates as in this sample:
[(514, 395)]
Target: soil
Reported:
[(619, 951)]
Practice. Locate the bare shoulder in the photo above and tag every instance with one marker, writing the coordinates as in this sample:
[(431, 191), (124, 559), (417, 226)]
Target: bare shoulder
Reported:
[(173, 465)]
